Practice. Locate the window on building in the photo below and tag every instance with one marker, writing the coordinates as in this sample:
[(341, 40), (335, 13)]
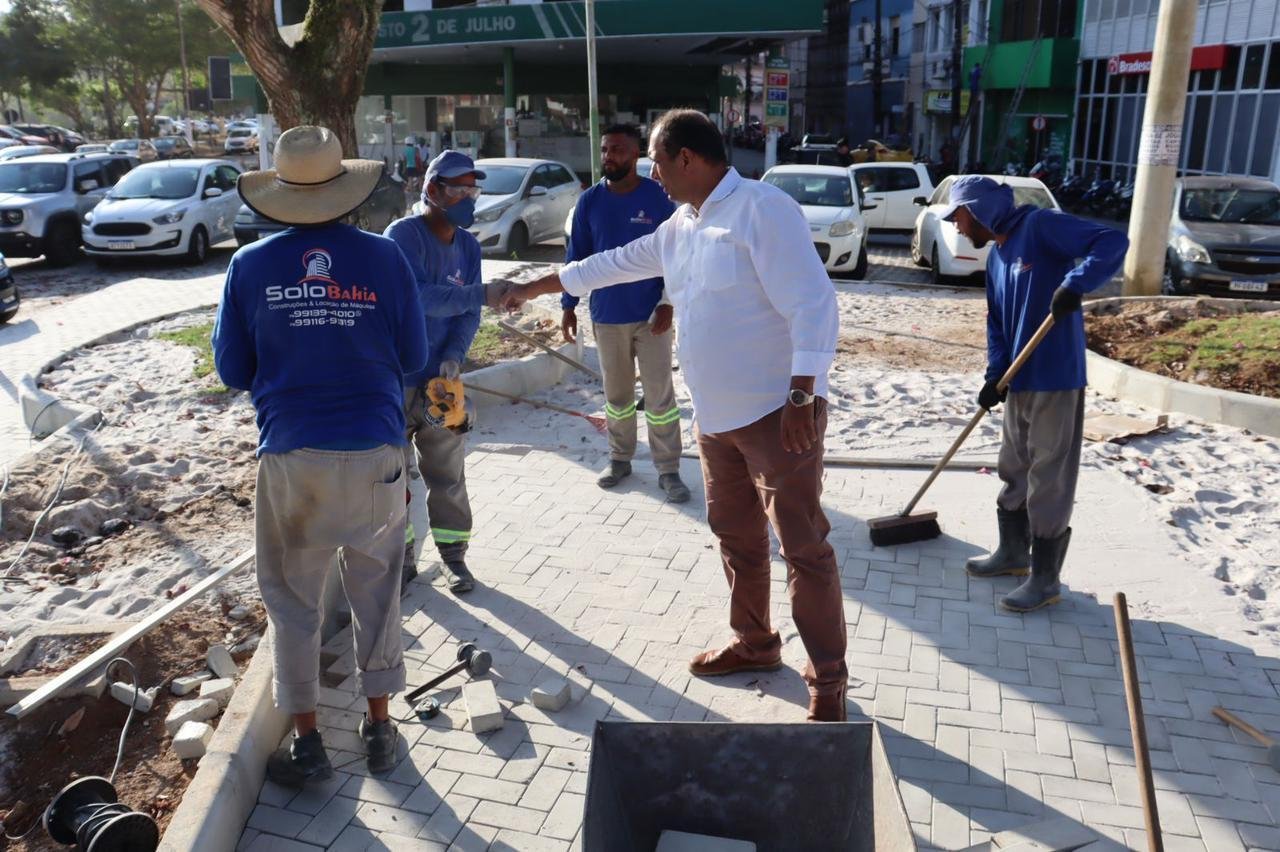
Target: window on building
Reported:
[(1091, 10), (1100, 76), (1215, 155), (1273, 67), (1138, 8), (1199, 137), (1253, 60), (1107, 10), (1122, 8), (894, 34), (1082, 124), (1242, 135), (1264, 150), (1230, 70)]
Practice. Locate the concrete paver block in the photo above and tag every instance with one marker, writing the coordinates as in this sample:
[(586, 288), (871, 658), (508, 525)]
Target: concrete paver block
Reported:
[(219, 690), (220, 662), (191, 740), (683, 841), (124, 693), (191, 710), (483, 708), (552, 695), (1049, 835), (190, 683)]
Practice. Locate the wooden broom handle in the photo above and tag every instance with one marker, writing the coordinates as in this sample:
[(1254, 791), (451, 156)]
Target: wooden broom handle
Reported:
[(1235, 721), (1044, 329)]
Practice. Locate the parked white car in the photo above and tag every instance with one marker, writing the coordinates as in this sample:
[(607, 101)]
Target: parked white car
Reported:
[(523, 202), (837, 221), (175, 207), (893, 188), (241, 140), (940, 246)]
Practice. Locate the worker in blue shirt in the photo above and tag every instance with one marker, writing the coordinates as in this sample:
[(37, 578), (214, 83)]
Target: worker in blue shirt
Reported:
[(631, 322), (1034, 270), (445, 258), (321, 322)]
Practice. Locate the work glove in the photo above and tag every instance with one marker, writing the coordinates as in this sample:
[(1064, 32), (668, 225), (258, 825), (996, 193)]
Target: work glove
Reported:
[(990, 396), (450, 370), (1065, 301)]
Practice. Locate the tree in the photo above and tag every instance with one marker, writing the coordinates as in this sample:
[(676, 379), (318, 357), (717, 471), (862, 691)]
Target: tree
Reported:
[(319, 78), (30, 57)]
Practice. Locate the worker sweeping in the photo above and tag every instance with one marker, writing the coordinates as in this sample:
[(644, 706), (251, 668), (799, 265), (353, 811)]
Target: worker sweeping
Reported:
[(1034, 270), (445, 258)]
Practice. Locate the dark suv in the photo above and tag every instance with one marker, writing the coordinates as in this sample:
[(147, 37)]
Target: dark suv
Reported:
[(1224, 238)]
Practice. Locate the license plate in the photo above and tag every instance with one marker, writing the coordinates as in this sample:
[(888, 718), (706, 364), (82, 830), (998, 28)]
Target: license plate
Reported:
[(1248, 287), (120, 245)]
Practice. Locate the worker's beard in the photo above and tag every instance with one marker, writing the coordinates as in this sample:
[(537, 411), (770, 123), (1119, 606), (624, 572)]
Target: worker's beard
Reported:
[(616, 173)]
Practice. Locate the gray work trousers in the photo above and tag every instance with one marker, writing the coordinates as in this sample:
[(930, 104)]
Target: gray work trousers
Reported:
[(310, 506), (621, 346), (442, 461), (1040, 456)]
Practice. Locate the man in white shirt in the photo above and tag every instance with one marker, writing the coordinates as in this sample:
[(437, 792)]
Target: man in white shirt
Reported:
[(758, 325)]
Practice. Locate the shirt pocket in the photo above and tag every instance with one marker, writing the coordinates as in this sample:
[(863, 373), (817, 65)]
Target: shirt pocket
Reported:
[(724, 263)]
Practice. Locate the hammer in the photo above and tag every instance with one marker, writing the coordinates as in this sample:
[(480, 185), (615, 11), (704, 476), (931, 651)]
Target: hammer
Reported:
[(474, 660), (1273, 749)]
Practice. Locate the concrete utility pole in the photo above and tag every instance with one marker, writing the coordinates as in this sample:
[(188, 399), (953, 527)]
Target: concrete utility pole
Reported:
[(509, 100), (957, 72), (592, 97), (1158, 152), (877, 75)]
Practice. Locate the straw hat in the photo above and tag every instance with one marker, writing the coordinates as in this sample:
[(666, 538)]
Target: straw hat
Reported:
[(311, 183)]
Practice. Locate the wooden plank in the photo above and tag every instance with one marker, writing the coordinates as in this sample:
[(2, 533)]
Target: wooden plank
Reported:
[(92, 663), (875, 462)]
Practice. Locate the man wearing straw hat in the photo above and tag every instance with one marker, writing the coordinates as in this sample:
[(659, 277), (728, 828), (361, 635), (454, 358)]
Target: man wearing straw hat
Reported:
[(320, 323)]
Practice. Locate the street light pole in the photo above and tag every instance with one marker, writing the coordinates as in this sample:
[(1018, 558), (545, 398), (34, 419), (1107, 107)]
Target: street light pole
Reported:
[(593, 105), (186, 89), (1159, 150)]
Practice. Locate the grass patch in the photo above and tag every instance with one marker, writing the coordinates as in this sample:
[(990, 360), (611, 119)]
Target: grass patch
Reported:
[(487, 342), (198, 337)]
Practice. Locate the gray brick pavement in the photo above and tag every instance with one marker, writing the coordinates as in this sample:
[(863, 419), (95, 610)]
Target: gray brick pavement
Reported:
[(991, 720)]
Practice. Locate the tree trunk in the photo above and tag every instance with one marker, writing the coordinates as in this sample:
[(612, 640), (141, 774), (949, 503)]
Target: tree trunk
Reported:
[(318, 80), (109, 106)]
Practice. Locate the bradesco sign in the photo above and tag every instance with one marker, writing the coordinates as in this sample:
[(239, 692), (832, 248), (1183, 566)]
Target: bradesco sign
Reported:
[(1208, 58)]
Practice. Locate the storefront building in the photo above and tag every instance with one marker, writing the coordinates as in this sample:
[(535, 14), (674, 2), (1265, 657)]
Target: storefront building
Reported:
[(1232, 120)]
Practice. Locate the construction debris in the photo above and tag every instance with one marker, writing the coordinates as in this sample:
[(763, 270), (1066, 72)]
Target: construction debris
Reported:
[(192, 710), (220, 662), (1117, 427), (219, 690), (186, 685), (73, 722), (131, 696), (552, 695), (192, 739), (483, 708)]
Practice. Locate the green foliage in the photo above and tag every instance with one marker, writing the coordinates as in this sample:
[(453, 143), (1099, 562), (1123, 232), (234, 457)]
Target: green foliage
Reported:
[(198, 337)]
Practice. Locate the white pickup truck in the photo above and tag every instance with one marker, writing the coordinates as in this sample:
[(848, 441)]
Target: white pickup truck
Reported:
[(893, 189)]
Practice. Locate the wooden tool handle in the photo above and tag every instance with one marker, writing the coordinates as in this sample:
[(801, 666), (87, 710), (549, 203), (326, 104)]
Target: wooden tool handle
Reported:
[(1235, 721), (555, 353), (532, 402), (1137, 725), (1023, 356)]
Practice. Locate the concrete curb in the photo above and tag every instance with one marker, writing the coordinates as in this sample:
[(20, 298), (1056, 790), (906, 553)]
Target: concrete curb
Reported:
[(224, 791), (1230, 408), (529, 375)]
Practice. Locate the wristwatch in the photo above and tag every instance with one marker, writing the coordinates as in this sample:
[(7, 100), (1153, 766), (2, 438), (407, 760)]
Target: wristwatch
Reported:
[(800, 398)]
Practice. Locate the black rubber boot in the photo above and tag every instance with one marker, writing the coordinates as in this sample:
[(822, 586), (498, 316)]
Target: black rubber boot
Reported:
[(677, 491), (1013, 555), (300, 763), (614, 473), (456, 574), (379, 743), (1042, 587)]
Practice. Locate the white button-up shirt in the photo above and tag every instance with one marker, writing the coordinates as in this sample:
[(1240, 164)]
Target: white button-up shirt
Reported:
[(754, 305)]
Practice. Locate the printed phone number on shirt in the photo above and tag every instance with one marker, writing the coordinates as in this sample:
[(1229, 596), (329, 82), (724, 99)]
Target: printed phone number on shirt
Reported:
[(324, 316)]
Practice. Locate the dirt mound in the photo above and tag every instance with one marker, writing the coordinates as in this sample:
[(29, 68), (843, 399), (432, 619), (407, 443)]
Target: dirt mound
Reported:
[(1219, 345)]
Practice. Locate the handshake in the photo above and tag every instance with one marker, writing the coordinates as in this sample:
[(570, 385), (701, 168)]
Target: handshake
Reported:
[(508, 296)]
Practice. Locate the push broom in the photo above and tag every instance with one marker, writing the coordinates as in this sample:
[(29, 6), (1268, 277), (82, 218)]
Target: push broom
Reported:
[(905, 527)]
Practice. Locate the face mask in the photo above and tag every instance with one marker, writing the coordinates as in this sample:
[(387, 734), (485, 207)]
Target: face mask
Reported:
[(460, 215)]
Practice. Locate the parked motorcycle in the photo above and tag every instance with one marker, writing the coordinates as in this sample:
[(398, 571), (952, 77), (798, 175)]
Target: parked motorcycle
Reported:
[(1097, 198), (1071, 191)]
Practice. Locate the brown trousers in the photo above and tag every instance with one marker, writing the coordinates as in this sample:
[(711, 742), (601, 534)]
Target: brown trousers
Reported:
[(751, 483)]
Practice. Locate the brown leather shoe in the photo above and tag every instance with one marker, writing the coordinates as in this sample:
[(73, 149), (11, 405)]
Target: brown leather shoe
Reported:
[(727, 661), (828, 708)]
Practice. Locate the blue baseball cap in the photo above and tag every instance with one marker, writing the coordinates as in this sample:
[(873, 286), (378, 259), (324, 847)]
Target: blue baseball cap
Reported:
[(968, 190), (452, 164)]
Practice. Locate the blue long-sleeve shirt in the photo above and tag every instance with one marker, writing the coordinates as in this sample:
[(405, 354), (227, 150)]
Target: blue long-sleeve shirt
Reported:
[(320, 325), (1043, 251), (449, 286), (605, 220)]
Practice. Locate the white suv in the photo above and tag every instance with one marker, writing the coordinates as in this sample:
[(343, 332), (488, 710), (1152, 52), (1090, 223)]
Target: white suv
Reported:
[(44, 198)]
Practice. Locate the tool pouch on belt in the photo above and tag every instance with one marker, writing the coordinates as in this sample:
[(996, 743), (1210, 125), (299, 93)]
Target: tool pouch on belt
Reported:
[(446, 405)]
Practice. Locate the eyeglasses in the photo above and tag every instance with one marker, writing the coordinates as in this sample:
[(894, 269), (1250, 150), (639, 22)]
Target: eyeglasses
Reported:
[(459, 191)]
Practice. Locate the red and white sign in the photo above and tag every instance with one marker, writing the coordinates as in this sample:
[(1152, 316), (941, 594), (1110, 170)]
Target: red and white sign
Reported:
[(1207, 58), (734, 116), (1038, 123)]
